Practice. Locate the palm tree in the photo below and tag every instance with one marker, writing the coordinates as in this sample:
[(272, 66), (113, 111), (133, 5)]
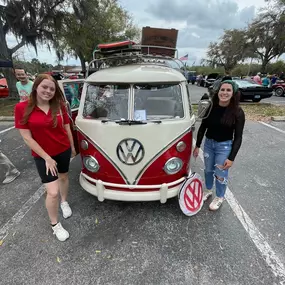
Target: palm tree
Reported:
[(32, 22)]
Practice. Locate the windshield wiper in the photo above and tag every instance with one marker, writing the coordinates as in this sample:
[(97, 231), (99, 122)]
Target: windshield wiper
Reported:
[(115, 121), (105, 121), (130, 122)]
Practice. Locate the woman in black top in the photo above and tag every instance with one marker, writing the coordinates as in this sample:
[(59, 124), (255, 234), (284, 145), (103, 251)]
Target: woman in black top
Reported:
[(224, 130)]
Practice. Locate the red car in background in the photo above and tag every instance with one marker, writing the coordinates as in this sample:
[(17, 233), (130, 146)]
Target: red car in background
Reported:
[(4, 91), (279, 88)]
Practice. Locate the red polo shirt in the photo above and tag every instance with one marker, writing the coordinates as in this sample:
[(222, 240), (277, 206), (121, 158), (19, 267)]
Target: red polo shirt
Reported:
[(52, 140)]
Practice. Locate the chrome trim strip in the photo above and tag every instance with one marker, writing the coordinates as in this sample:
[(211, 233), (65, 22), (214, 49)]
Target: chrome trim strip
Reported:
[(131, 103)]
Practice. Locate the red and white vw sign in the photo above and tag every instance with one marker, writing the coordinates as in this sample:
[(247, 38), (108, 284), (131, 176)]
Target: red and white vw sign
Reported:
[(191, 195)]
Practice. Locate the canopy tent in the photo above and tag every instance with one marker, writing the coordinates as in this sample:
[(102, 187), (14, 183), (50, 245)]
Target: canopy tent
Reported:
[(6, 63)]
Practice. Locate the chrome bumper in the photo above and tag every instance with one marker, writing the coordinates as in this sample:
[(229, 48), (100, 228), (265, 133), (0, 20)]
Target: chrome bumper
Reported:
[(100, 190)]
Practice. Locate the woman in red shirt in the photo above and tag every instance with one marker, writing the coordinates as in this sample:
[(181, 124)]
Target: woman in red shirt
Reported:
[(43, 123)]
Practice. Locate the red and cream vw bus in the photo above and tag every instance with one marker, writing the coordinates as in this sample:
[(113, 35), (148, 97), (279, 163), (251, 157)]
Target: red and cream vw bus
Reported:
[(134, 127)]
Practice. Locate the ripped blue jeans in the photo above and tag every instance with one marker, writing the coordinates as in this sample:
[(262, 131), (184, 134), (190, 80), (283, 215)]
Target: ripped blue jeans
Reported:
[(215, 154)]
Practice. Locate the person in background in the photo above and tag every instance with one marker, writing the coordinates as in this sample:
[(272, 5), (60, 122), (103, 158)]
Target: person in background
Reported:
[(24, 85), (12, 172), (44, 125), (273, 79), (68, 92), (266, 81), (224, 129), (257, 78)]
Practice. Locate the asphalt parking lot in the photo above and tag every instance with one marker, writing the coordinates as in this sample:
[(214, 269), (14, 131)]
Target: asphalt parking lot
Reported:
[(149, 243)]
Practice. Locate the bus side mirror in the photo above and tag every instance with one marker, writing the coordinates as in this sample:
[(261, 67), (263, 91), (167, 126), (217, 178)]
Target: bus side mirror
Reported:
[(204, 107), (205, 97)]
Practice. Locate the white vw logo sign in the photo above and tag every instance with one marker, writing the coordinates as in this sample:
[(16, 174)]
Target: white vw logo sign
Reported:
[(130, 151)]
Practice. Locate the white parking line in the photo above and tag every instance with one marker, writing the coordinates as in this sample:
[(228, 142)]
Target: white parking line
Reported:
[(272, 127), (21, 213), (16, 219), (258, 239), (6, 130)]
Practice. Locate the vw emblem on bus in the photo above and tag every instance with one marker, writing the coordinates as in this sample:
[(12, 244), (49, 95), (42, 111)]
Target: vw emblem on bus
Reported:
[(130, 151)]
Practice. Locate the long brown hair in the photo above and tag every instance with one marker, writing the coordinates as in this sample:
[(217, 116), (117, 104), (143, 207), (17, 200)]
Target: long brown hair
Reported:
[(57, 102), (233, 107)]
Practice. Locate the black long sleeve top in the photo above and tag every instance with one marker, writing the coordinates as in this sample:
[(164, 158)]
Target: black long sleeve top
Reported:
[(219, 132)]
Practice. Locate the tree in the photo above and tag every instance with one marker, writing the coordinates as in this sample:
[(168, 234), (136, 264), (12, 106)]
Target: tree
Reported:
[(31, 21), (266, 36), (231, 49), (34, 66), (279, 4), (90, 23)]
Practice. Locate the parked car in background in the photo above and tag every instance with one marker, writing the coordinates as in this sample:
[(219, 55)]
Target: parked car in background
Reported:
[(211, 78), (4, 91), (249, 79), (279, 88), (248, 90), (191, 77), (56, 75)]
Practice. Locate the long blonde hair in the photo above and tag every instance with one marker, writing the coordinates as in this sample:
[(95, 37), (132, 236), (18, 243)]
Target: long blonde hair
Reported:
[(56, 103)]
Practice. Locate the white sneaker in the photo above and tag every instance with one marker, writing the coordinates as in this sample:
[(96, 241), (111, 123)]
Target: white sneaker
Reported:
[(216, 203), (11, 177), (207, 194), (65, 208), (60, 232)]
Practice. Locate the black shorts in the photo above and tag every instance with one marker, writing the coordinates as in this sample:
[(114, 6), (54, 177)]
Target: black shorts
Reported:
[(62, 160)]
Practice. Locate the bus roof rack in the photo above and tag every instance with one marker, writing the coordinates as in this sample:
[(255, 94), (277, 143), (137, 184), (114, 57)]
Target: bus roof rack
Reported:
[(127, 52)]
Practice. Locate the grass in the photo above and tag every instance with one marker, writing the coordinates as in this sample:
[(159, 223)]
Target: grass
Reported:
[(263, 110), (7, 107), (258, 111)]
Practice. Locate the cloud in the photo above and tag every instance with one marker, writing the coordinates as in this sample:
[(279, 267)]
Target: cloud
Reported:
[(195, 35), (11, 40), (202, 22), (205, 14), (199, 23)]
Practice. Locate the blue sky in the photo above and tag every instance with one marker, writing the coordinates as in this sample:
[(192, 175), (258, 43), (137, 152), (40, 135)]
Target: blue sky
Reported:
[(198, 24)]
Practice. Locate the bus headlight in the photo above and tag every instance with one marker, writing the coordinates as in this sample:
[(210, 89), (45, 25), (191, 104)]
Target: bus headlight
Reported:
[(91, 163), (173, 165)]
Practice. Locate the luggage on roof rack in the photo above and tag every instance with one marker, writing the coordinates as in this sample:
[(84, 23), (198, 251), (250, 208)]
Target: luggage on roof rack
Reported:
[(159, 41), (115, 47)]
